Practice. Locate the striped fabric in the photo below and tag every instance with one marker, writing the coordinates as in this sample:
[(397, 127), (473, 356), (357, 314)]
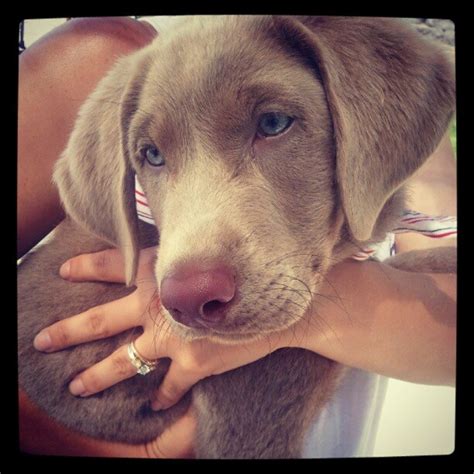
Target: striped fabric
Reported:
[(143, 210), (436, 227)]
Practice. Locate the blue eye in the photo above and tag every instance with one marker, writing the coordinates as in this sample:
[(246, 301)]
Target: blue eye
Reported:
[(273, 123), (153, 155)]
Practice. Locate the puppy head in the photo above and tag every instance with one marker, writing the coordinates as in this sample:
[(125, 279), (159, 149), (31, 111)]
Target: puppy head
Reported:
[(260, 143)]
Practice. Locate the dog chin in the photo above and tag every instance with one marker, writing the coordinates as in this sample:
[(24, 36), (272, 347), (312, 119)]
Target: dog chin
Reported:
[(222, 337)]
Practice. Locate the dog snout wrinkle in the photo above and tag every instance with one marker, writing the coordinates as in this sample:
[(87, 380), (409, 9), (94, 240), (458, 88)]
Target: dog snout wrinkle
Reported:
[(197, 296)]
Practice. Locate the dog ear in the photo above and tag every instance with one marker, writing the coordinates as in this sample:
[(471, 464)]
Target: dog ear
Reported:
[(391, 95), (94, 175)]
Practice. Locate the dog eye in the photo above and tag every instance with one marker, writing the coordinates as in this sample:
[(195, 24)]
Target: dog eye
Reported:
[(273, 123), (152, 155)]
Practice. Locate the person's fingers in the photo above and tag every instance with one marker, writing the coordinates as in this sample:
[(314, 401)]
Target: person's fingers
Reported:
[(96, 323), (202, 358), (111, 370), (177, 441), (106, 265), (177, 381)]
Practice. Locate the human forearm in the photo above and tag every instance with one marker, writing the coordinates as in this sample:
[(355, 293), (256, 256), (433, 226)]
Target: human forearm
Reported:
[(384, 320)]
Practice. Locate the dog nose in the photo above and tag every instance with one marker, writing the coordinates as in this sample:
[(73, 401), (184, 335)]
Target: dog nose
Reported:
[(196, 296)]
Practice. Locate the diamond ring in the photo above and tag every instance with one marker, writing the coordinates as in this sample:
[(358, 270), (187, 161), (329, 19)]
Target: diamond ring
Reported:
[(142, 365)]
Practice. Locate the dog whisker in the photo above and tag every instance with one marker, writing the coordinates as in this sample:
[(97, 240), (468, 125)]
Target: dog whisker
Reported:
[(305, 285), (282, 288)]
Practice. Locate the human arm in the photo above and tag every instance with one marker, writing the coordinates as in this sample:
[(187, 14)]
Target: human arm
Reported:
[(384, 320)]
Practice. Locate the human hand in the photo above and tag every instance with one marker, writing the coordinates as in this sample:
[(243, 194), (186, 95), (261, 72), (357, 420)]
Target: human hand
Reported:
[(191, 360), (362, 317), (343, 323)]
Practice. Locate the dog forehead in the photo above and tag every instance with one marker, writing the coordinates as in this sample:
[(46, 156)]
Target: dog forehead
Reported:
[(214, 59)]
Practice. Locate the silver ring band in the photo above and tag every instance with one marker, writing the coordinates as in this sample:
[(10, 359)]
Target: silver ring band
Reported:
[(142, 365)]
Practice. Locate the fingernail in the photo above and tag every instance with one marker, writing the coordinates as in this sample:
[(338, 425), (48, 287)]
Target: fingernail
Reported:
[(65, 270), (156, 406), (76, 387), (42, 341)]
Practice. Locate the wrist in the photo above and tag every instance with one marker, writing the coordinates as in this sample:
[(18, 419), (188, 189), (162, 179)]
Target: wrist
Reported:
[(333, 321)]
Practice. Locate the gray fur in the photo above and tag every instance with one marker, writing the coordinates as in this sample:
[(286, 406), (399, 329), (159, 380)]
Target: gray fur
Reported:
[(375, 100)]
